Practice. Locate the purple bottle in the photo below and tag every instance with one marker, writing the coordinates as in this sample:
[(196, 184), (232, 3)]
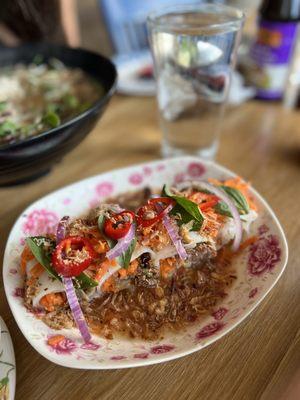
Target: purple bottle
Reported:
[(273, 49)]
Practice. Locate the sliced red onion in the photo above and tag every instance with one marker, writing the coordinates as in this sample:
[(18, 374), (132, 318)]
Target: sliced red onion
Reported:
[(174, 235), (122, 244), (236, 216), (173, 231), (168, 209), (70, 291), (108, 274), (61, 229), (76, 310)]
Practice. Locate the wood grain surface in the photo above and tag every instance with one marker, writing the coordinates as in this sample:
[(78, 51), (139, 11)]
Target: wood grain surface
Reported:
[(260, 359)]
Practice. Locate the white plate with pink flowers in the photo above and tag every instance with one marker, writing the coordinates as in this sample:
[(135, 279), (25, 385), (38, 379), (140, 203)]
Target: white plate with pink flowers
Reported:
[(259, 267)]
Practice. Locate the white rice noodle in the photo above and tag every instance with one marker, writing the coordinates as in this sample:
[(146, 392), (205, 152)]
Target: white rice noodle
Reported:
[(227, 231), (107, 275), (139, 250), (168, 251)]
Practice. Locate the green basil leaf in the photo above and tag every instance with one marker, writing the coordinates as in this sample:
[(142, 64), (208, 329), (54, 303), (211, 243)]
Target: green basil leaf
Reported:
[(223, 209), (190, 207), (238, 198), (185, 208), (85, 282), (36, 245), (101, 220), (185, 218), (124, 259)]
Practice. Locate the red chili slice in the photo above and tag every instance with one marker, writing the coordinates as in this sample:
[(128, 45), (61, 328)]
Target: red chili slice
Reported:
[(150, 207), (72, 256), (118, 225), (210, 202)]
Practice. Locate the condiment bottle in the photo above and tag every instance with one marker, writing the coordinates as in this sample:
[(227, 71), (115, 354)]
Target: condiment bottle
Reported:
[(273, 49)]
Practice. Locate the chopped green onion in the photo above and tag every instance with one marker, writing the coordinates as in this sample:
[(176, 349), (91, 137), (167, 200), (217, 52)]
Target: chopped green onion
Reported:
[(53, 108), (7, 128), (71, 101), (52, 119)]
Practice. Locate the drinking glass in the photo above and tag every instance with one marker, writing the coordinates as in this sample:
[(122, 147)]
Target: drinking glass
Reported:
[(194, 50)]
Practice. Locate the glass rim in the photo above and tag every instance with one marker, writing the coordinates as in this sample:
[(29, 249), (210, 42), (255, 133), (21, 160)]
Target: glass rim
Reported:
[(235, 14)]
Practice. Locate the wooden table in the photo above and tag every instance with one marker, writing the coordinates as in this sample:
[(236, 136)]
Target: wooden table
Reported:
[(258, 360)]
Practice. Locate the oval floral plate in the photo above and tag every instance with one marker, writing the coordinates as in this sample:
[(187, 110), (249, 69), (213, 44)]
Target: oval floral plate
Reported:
[(259, 268)]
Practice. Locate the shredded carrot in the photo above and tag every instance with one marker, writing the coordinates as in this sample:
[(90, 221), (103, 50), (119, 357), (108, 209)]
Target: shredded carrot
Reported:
[(36, 270), (166, 266), (130, 270), (239, 184), (215, 182), (109, 285), (199, 198), (49, 301), (103, 268), (54, 340), (25, 257), (122, 272), (100, 247), (155, 236)]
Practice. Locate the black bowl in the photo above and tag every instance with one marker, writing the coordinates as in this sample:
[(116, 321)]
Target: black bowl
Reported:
[(33, 157)]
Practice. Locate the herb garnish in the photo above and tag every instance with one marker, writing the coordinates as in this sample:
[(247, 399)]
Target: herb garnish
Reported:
[(186, 209), (71, 101), (238, 199), (52, 119), (124, 259), (7, 128), (43, 256)]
